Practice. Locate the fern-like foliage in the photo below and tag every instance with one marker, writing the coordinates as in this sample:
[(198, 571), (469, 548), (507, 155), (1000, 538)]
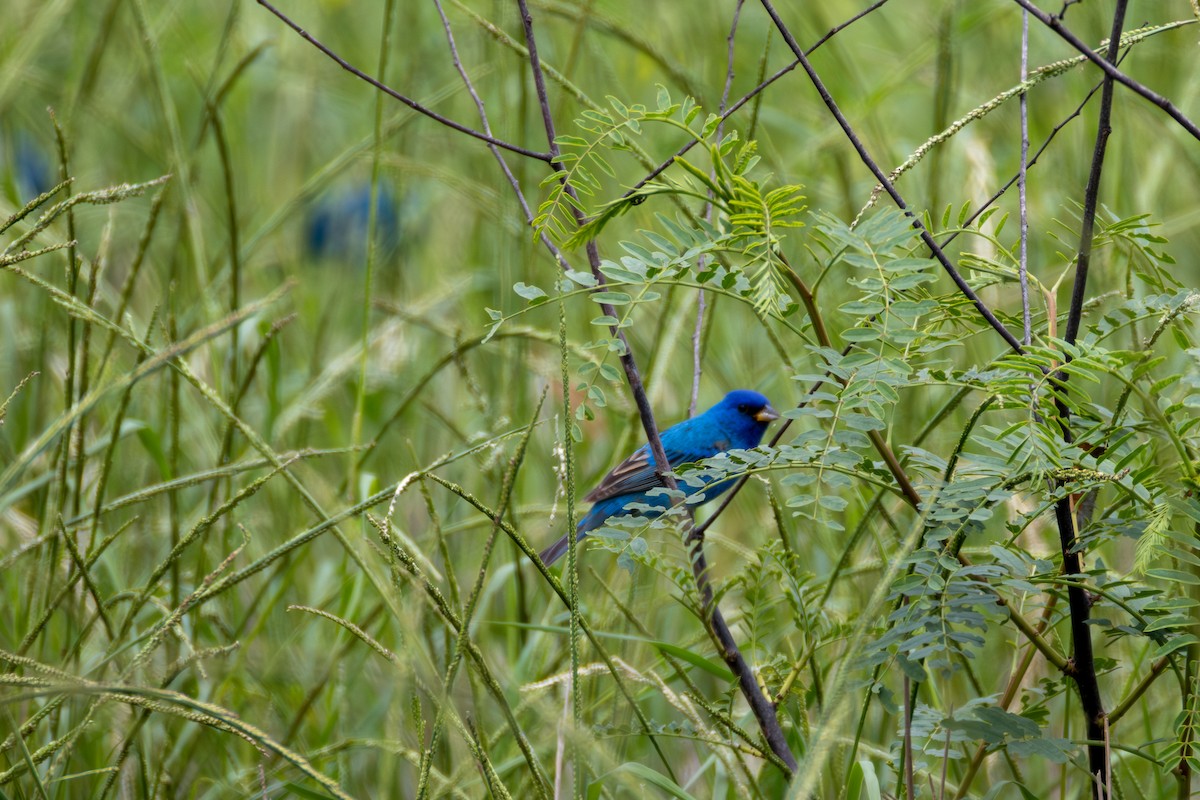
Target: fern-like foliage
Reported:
[(582, 158), (757, 220), (752, 220)]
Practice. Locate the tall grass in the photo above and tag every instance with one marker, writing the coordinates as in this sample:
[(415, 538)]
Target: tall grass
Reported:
[(266, 512)]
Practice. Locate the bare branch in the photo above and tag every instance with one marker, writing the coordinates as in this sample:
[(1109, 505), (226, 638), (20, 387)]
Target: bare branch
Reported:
[(762, 708), (413, 104), (1056, 24), (888, 186), (1023, 268), (733, 109), (698, 332), (1083, 661)]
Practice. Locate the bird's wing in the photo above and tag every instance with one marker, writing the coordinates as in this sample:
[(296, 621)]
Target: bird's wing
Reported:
[(636, 473)]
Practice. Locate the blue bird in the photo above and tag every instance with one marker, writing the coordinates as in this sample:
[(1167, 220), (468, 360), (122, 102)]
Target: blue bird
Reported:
[(32, 172), (736, 423), (337, 227)]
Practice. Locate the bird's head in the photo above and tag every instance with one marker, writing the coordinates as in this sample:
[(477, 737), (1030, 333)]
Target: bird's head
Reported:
[(747, 413)]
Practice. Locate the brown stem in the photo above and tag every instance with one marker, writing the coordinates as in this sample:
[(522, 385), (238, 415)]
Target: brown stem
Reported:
[(877, 440), (763, 711), (1083, 665), (1156, 669), (1010, 692)]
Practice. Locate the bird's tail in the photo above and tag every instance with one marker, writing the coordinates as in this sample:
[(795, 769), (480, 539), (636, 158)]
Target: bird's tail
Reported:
[(555, 551), (592, 520)]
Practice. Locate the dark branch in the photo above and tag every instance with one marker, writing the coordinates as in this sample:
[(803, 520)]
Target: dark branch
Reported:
[(1109, 66), (413, 104), (763, 711), (733, 109), (728, 497), (883, 180), (1092, 192), (1083, 660)]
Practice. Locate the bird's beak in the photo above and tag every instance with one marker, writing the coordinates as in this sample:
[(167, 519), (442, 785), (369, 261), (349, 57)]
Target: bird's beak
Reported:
[(766, 414)]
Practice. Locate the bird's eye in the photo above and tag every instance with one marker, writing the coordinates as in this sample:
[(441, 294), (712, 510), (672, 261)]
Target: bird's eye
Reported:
[(742, 407)]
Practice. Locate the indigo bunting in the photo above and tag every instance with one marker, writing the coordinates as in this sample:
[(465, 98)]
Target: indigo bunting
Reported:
[(736, 423), (337, 228), (31, 170)]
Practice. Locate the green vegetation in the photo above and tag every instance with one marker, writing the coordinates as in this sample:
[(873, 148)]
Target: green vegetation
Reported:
[(293, 387)]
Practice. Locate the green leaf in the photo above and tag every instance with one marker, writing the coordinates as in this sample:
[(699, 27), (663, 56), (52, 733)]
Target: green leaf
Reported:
[(492, 330), (613, 272), (860, 334), (582, 278), (862, 308), (701, 176), (529, 292), (663, 98), (862, 422), (698, 661), (612, 298), (1175, 576), (610, 534), (833, 502), (862, 779), (1057, 751), (911, 281), (1168, 622), (1177, 643), (305, 792), (153, 444), (644, 773)]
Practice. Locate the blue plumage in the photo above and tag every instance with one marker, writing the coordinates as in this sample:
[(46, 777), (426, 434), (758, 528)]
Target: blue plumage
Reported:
[(736, 423), (337, 228)]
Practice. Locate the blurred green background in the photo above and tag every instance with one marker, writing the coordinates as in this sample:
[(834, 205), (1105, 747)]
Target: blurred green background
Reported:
[(134, 86)]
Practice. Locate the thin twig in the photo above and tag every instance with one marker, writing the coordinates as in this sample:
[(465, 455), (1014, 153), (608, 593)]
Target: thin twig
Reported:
[(698, 332), (763, 711), (888, 186), (1055, 24), (1023, 267), (1156, 669), (1045, 144), (909, 789), (413, 104), (728, 497), (487, 128), (1083, 665), (746, 98), (360, 395)]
